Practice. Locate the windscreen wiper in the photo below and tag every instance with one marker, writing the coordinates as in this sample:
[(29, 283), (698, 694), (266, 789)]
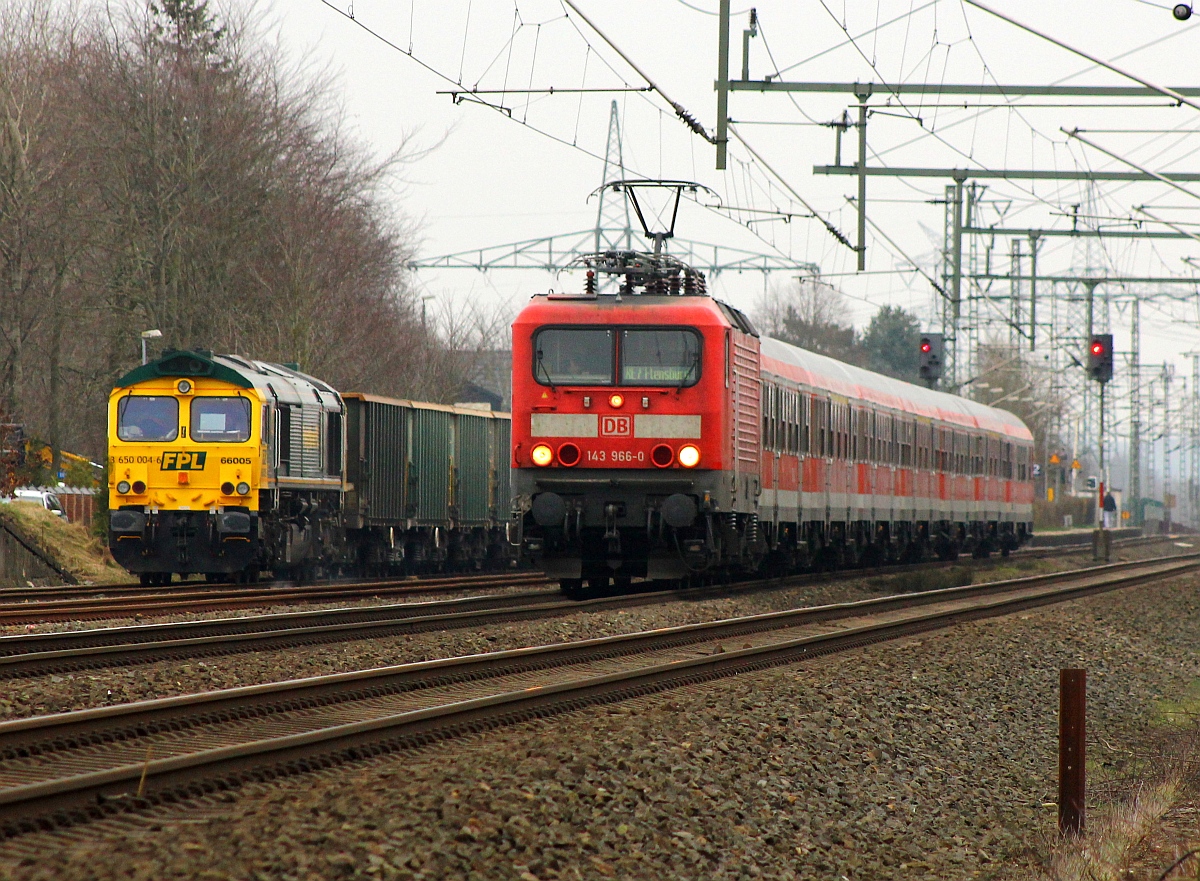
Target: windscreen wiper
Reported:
[(537, 362), (691, 370)]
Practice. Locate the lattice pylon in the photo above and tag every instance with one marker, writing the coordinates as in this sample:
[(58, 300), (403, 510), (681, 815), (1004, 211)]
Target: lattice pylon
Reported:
[(613, 229)]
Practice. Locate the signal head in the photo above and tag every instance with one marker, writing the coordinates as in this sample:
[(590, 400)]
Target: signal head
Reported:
[(1100, 357), (929, 357)]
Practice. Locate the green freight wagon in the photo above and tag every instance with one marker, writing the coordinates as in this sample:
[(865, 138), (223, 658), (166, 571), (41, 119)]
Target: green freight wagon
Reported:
[(427, 484)]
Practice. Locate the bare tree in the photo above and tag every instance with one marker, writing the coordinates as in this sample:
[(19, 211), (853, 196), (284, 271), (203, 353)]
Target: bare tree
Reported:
[(1005, 379), (809, 313), (460, 338), (161, 168)]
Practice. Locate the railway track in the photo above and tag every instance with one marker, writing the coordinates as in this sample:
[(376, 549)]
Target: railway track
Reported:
[(61, 769), (35, 654), (99, 602), (430, 583), (92, 605)]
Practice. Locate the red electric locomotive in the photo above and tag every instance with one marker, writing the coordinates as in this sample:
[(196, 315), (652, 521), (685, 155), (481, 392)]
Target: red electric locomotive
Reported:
[(656, 435)]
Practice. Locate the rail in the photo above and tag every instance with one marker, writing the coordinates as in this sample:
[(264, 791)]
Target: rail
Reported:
[(70, 767)]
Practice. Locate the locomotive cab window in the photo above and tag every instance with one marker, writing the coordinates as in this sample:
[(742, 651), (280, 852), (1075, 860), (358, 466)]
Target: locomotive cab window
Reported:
[(220, 420), (147, 418), (573, 356), (666, 357)]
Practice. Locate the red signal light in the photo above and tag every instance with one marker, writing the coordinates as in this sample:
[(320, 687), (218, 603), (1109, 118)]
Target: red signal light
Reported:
[(1097, 348), (925, 347)]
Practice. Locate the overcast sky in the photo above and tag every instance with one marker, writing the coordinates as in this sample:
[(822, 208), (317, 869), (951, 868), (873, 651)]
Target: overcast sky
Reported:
[(528, 171)]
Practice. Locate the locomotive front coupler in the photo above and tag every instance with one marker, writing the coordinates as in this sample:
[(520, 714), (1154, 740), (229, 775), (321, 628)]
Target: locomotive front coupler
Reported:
[(612, 510)]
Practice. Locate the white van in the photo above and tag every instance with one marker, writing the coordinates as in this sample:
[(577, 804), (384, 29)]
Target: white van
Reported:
[(43, 497)]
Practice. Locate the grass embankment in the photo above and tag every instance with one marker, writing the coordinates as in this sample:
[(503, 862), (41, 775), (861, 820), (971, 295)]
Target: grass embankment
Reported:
[(69, 546), (1126, 837)]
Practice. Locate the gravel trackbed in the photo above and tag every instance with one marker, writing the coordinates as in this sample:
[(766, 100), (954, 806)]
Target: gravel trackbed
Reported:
[(932, 758)]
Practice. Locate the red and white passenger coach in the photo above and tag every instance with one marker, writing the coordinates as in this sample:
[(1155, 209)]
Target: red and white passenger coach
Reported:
[(655, 434)]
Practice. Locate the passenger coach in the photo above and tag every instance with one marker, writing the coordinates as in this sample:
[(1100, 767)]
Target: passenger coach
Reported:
[(656, 435)]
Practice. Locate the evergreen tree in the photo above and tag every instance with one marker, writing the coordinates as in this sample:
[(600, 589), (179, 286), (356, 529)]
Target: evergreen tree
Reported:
[(891, 343)]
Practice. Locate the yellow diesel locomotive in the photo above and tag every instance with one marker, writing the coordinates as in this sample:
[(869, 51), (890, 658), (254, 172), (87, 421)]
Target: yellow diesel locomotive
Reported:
[(229, 467), (223, 466)]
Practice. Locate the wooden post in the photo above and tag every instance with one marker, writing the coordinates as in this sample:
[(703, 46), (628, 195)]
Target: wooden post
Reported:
[(1072, 754)]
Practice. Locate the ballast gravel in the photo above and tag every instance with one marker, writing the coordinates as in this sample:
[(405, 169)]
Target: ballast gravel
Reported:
[(928, 758), (62, 692)]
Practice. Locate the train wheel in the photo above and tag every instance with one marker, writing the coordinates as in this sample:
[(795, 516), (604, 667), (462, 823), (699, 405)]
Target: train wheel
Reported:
[(146, 579), (213, 577), (571, 587)]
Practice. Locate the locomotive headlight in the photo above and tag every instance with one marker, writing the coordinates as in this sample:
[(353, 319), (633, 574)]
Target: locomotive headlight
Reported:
[(541, 455), (139, 487), (689, 455), (243, 488), (123, 486), (184, 387), (616, 401)]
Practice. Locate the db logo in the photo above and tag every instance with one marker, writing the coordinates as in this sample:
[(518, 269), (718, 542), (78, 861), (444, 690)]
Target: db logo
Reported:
[(616, 426)]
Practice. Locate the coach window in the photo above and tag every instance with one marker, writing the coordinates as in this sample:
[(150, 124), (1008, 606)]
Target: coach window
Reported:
[(766, 421), (573, 356), (848, 430), (855, 424), (147, 418), (794, 408), (771, 411), (220, 420), (805, 423), (776, 423), (843, 424), (668, 356), (836, 431), (787, 421), (785, 408), (830, 441)]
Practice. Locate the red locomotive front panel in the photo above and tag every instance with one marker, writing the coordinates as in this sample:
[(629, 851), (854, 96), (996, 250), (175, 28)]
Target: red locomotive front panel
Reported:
[(618, 385), (623, 434)]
